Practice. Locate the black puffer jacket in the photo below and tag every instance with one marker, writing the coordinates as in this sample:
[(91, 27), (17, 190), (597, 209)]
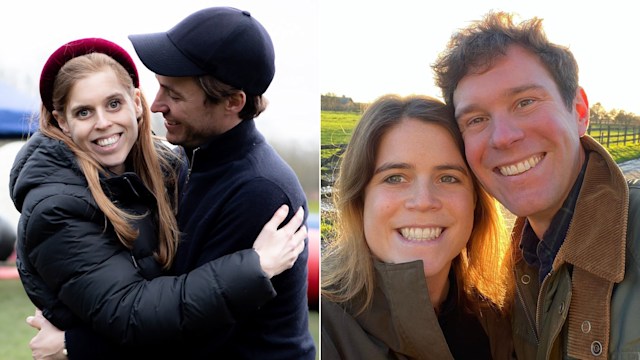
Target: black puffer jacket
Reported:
[(74, 268)]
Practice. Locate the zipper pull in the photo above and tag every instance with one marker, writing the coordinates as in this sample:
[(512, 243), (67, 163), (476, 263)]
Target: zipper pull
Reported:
[(133, 259)]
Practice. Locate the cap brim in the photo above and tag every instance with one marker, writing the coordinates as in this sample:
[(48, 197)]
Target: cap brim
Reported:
[(160, 55)]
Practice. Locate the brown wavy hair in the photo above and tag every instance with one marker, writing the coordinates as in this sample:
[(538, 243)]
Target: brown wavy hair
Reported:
[(482, 268), (216, 91), (475, 48)]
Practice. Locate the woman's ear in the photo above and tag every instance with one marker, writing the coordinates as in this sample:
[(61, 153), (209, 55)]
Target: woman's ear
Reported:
[(62, 122), (137, 101)]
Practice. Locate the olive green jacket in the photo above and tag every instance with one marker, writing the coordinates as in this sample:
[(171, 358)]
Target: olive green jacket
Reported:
[(400, 324), (588, 307)]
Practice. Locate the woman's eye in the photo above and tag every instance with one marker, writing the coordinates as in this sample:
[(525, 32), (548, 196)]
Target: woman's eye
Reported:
[(114, 104), (394, 179), (82, 113)]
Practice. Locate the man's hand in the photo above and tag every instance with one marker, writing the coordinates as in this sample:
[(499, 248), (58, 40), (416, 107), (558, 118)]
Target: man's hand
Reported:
[(49, 341)]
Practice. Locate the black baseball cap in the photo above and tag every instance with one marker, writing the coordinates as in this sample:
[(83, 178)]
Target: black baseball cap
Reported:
[(224, 42)]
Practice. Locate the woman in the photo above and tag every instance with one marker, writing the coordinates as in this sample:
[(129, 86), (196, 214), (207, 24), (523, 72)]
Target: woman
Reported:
[(97, 227), (429, 279)]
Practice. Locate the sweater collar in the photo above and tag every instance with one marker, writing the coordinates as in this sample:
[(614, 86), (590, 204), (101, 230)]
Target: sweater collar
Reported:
[(227, 146)]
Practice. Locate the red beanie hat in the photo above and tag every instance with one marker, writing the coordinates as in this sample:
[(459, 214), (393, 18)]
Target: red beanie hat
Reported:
[(77, 48)]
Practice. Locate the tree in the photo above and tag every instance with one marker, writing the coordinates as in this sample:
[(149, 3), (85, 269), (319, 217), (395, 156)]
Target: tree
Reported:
[(598, 114)]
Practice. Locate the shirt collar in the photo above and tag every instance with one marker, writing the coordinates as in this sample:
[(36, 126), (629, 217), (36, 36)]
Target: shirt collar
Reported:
[(540, 254)]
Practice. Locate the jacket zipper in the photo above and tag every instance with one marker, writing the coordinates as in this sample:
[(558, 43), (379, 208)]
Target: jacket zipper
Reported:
[(530, 320), (133, 258), (131, 186), (539, 304), (193, 157)]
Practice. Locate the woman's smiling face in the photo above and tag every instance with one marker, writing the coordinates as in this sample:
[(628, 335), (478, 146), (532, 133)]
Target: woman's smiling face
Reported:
[(419, 204), (101, 118)]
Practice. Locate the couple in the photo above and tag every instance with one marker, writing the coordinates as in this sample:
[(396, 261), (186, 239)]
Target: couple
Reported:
[(101, 250), (440, 280)]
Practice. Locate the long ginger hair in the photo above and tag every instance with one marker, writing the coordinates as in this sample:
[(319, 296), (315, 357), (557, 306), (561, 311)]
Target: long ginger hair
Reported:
[(152, 161)]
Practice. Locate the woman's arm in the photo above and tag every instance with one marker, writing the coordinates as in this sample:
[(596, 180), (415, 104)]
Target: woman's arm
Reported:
[(97, 279)]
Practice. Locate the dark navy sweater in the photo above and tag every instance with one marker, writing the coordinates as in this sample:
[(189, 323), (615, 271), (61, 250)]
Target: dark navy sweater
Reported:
[(230, 187)]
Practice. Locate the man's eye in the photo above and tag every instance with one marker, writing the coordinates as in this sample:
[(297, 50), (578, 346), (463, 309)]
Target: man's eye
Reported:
[(525, 102), (449, 179), (475, 120)]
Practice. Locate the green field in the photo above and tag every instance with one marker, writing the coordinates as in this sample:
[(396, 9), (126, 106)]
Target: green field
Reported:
[(15, 333), (14, 309), (336, 128)]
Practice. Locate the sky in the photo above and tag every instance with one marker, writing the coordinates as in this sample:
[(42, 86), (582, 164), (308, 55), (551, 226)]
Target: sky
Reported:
[(33, 29), (360, 49), (371, 48)]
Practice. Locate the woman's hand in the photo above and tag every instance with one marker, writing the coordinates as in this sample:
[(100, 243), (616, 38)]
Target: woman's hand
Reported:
[(279, 248), (49, 341)]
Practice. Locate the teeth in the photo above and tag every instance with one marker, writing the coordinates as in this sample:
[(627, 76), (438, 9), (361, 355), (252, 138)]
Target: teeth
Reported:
[(520, 167), (108, 141), (421, 234)]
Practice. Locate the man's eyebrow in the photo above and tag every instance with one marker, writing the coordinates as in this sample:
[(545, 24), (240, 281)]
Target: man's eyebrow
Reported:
[(170, 88), (167, 87), (506, 94), (524, 88)]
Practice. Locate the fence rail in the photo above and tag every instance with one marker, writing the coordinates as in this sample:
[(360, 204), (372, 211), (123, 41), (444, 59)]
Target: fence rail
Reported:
[(614, 134), (606, 134)]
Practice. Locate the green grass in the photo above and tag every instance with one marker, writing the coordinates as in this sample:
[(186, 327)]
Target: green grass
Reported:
[(313, 204), (314, 328), (623, 153), (15, 306), (336, 127)]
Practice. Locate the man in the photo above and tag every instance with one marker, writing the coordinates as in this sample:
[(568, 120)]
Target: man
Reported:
[(523, 117), (213, 68)]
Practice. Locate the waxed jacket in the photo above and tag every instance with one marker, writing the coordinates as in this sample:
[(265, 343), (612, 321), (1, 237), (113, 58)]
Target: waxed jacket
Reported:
[(400, 324), (74, 268), (589, 305)]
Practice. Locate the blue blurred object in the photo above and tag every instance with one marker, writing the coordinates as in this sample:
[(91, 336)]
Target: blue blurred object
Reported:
[(313, 221), (16, 125), (18, 113)]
